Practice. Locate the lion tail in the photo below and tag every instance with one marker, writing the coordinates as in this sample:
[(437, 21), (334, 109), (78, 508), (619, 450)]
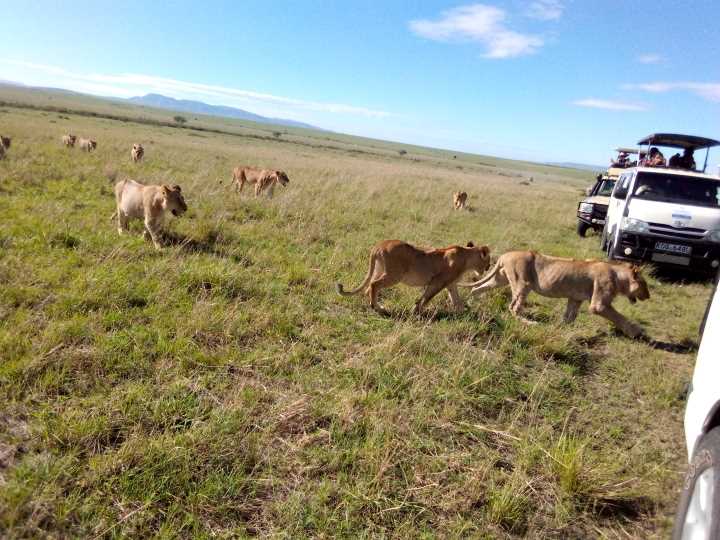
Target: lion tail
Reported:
[(487, 277), (342, 292)]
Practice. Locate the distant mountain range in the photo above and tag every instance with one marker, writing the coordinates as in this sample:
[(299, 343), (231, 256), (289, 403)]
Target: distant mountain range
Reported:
[(581, 166), (198, 107)]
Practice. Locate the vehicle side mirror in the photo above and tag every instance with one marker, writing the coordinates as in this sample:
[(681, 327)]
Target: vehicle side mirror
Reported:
[(588, 191)]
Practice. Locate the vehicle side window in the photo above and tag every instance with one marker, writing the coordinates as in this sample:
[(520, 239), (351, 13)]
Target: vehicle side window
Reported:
[(622, 186)]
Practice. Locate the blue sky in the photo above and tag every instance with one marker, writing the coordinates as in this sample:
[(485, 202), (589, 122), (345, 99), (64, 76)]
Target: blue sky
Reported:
[(546, 80)]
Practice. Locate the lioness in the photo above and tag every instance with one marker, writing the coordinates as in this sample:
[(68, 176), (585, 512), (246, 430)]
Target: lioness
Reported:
[(69, 140), (459, 200), (137, 152), (264, 179), (394, 261), (87, 144), (597, 281), (135, 200)]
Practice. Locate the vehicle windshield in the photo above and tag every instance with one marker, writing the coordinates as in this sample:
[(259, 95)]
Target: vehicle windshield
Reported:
[(605, 188), (678, 189)]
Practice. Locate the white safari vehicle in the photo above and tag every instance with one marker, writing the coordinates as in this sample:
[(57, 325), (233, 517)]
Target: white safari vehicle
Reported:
[(592, 209), (667, 215), (698, 515)]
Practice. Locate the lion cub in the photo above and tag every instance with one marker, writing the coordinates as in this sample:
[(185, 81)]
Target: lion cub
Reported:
[(69, 140), (460, 200), (137, 201), (597, 281), (394, 261), (88, 145), (137, 152), (4, 145)]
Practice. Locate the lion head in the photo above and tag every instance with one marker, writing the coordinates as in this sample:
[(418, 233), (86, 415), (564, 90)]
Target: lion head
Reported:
[(480, 258), (637, 286), (282, 178), (173, 200), (93, 144)]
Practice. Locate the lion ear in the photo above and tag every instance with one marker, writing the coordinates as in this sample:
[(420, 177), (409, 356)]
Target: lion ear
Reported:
[(485, 251), (177, 188), (470, 244)]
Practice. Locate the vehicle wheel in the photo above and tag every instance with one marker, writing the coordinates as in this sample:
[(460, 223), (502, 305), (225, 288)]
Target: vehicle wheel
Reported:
[(698, 515), (582, 228), (603, 239), (610, 248)]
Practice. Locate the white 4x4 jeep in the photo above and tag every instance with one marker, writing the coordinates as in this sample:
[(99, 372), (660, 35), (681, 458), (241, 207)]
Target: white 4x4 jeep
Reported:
[(698, 515), (664, 215)]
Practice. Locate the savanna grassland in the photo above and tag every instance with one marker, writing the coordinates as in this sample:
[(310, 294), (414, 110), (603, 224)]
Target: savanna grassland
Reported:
[(221, 388)]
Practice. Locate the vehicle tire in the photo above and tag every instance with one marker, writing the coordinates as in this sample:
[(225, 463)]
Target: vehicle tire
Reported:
[(698, 514), (610, 248), (582, 228), (603, 239)]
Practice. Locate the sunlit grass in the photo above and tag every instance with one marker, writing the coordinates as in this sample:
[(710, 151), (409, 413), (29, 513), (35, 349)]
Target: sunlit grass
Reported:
[(220, 387)]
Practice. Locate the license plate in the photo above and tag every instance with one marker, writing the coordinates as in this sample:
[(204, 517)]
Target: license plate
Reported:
[(673, 248)]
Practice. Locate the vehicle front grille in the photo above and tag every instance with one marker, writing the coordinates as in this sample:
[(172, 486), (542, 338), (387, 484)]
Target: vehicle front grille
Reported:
[(600, 210), (678, 232)]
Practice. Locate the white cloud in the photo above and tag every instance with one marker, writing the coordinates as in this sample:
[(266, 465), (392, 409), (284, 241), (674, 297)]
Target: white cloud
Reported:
[(609, 105), (708, 91), (130, 84), (478, 23), (650, 58), (545, 10)]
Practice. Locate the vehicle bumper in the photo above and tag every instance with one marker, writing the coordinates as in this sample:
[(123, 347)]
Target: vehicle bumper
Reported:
[(705, 256), (593, 220)]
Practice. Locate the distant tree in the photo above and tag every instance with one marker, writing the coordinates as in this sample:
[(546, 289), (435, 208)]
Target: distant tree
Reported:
[(180, 119), (276, 134), (402, 152)]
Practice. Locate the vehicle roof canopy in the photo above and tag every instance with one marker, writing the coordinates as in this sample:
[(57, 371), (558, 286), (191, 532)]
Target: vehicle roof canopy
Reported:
[(627, 150), (677, 140)]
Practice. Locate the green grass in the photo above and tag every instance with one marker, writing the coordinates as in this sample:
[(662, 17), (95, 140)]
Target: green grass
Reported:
[(220, 388)]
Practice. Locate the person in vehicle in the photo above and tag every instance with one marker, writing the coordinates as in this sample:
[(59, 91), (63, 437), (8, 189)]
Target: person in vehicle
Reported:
[(675, 161), (655, 158), (688, 160), (640, 160), (621, 161)]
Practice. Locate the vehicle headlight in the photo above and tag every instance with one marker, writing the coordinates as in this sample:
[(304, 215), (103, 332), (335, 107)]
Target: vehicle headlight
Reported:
[(586, 208), (634, 225), (714, 236)]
